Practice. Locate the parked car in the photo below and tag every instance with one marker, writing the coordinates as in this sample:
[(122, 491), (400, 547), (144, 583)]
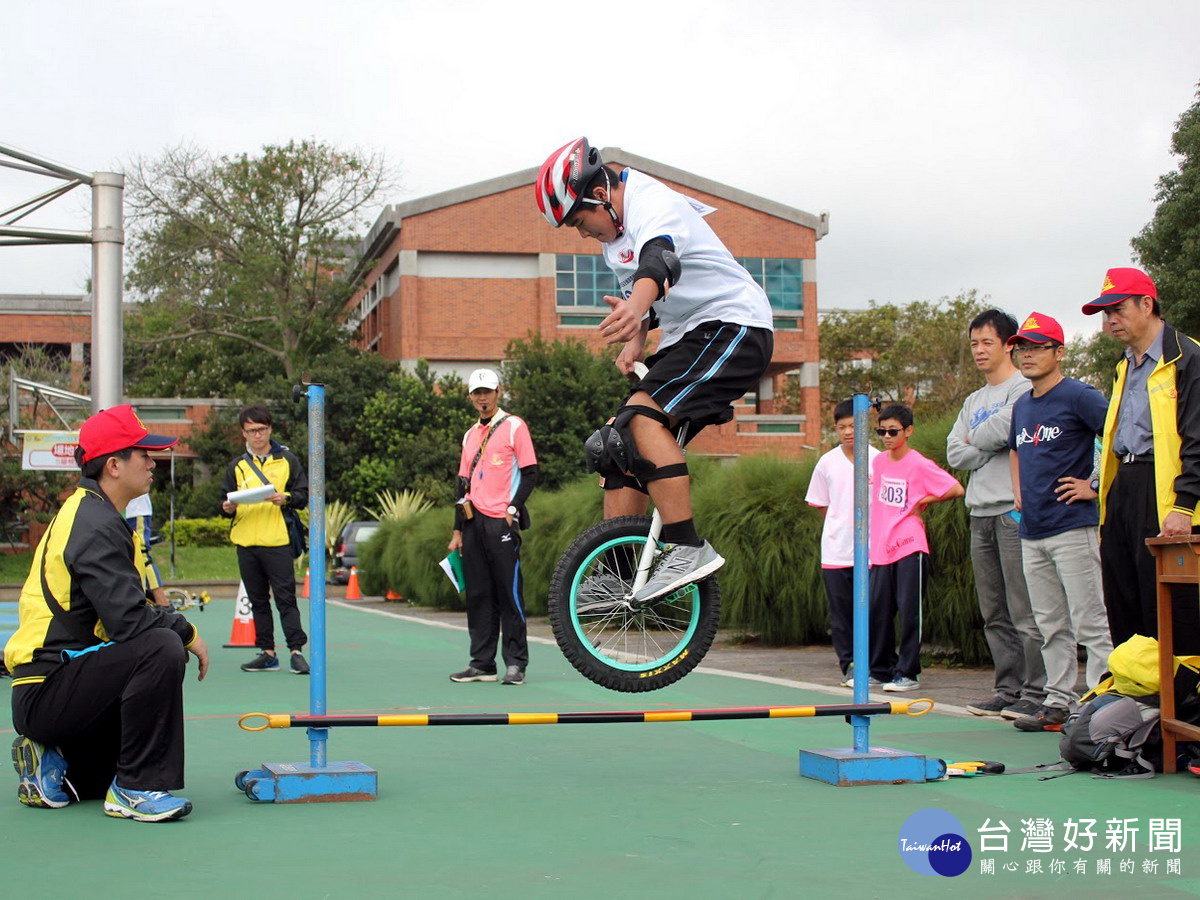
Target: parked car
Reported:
[(345, 553)]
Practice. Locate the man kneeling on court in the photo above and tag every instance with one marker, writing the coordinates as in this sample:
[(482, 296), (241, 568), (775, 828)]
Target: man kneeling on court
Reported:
[(97, 696)]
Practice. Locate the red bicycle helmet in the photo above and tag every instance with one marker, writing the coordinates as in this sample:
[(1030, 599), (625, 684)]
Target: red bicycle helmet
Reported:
[(563, 178)]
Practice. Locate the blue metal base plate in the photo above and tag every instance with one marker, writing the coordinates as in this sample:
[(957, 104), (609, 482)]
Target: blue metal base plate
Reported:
[(302, 783), (881, 765)]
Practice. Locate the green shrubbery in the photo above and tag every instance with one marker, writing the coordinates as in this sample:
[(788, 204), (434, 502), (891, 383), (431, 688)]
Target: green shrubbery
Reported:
[(212, 532), (753, 510)]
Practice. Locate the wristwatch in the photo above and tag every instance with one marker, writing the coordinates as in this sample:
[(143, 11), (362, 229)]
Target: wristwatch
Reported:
[(512, 510), (1095, 484)]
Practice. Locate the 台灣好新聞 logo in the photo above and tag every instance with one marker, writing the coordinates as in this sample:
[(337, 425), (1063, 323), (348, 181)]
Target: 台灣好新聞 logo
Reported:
[(932, 842)]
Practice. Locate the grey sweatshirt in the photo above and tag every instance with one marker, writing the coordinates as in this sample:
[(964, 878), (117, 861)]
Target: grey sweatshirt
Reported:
[(978, 442)]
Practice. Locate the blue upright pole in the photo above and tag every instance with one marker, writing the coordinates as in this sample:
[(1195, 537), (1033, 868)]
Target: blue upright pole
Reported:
[(862, 532), (316, 550), (320, 780)]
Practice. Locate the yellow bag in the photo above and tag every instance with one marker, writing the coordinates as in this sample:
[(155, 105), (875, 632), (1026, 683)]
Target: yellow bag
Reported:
[(1134, 668)]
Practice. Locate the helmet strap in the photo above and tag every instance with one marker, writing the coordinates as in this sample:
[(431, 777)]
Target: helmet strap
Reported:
[(607, 204)]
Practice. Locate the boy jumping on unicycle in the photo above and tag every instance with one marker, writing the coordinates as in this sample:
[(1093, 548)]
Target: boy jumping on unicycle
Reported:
[(672, 272)]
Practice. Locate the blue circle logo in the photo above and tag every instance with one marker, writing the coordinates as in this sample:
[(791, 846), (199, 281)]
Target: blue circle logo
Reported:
[(932, 842)]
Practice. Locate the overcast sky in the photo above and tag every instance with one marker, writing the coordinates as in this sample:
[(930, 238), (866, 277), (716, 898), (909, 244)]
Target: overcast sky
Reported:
[(1010, 147)]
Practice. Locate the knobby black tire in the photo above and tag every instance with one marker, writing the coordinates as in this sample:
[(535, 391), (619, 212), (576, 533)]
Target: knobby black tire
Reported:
[(620, 649)]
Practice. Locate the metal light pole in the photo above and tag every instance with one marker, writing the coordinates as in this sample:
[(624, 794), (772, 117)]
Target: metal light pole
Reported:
[(108, 243)]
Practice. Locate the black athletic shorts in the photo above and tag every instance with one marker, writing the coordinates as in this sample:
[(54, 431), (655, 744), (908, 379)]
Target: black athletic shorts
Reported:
[(708, 369)]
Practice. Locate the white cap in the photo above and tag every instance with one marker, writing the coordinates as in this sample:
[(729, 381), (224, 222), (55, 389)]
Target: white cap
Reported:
[(483, 378)]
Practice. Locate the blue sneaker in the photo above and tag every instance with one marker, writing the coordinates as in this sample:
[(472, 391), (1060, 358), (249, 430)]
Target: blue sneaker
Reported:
[(264, 662), (144, 806), (43, 774)]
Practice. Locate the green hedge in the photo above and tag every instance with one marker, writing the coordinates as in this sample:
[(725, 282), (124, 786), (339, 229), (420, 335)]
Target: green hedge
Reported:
[(753, 510), (212, 532)]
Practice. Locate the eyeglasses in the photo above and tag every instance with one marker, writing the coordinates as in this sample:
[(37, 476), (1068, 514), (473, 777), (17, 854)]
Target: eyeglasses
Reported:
[(890, 432), (254, 432), (1032, 348)]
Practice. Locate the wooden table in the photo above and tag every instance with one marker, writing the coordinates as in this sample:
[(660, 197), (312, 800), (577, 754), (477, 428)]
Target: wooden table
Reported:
[(1177, 561)]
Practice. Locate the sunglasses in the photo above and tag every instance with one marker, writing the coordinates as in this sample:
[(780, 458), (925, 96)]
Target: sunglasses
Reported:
[(890, 432)]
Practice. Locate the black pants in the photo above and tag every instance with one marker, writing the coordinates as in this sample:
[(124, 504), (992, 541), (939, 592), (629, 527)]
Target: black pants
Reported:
[(897, 587), (839, 589), (116, 711), (1127, 565), (491, 555), (266, 571)]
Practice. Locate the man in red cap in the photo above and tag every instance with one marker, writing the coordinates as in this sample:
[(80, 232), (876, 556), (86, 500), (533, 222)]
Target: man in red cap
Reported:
[(1052, 438), (97, 695), (1150, 460)]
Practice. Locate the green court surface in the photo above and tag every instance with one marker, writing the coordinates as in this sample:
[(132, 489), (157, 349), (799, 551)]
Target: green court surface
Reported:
[(672, 810)]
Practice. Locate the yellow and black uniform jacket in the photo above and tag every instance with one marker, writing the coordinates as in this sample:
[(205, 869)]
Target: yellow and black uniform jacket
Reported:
[(261, 524), (1174, 391), (93, 576)]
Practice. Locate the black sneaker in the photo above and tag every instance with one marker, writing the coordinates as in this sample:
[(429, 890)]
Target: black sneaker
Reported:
[(264, 662), (992, 707), (299, 664), (1048, 718), (1020, 709), (514, 675), (470, 673)]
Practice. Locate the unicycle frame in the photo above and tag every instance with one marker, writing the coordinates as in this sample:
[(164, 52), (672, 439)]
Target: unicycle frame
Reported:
[(646, 559)]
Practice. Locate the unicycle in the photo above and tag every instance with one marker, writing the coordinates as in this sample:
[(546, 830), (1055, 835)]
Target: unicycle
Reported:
[(609, 639)]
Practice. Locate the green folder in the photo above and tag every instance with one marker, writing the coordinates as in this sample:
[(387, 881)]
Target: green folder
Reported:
[(452, 566)]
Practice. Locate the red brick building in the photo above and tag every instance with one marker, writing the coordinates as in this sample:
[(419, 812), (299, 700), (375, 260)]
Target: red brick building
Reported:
[(441, 265)]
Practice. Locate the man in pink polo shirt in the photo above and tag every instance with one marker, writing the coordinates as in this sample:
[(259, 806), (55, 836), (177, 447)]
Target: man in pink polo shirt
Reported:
[(496, 475), (903, 483)]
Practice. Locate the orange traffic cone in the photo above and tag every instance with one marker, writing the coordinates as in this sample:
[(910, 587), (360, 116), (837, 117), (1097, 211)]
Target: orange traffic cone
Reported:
[(352, 591), (242, 634), (304, 587), (392, 595)]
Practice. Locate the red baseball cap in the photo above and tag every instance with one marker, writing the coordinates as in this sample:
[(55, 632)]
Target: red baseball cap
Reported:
[(118, 428), (1119, 284), (1038, 328)]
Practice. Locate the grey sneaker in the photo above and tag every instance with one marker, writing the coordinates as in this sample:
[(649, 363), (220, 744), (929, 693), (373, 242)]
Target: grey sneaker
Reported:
[(1020, 709), (680, 564), (993, 707), (514, 675), (470, 673), (600, 594), (299, 664), (901, 683)]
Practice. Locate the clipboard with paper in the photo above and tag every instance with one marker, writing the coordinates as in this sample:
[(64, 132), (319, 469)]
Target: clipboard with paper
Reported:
[(252, 495)]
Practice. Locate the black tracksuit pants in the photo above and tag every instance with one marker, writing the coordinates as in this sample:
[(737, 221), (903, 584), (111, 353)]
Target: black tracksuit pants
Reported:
[(491, 556), (116, 711), (1127, 565), (266, 571), (897, 588)]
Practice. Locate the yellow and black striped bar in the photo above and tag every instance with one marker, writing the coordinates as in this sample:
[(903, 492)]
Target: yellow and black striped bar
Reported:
[(283, 720)]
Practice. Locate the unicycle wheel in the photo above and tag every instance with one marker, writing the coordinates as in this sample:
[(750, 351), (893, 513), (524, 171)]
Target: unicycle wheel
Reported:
[(606, 640)]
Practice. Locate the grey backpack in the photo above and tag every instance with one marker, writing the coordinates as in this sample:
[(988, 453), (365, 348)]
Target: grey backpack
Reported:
[(1114, 735)]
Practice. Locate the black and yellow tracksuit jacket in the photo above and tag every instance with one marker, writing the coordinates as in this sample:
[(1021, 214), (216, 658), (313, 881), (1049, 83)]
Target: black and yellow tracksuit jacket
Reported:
[(1174, 391), (92, 574), (261, 524)]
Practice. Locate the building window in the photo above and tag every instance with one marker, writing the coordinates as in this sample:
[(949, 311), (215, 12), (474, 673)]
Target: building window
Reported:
[(582, 280), (782, 279)]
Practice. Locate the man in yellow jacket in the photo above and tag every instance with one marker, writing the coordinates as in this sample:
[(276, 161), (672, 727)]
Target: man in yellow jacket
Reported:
[(265, 559), (97, 696), (1149, 481)]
